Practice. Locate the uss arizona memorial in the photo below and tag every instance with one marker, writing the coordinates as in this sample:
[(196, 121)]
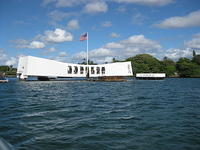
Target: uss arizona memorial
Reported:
[(41, 68), (45, 69)]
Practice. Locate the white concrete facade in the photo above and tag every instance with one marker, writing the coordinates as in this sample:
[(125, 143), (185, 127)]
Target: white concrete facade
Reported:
[(30, 66)]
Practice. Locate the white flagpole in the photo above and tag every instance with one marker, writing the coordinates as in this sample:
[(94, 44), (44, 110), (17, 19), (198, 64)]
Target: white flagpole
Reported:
[(87, 57), (87, 48)]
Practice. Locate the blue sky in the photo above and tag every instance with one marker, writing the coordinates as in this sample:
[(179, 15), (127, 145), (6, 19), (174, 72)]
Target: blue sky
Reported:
[(117, 28)]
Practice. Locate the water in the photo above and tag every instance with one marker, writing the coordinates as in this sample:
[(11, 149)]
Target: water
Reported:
[(140, 115)]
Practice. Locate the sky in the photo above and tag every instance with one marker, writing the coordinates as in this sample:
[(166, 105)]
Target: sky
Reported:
[(116, 29)]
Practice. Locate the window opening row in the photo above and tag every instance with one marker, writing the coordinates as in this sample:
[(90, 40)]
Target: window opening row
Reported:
[(92, 70)]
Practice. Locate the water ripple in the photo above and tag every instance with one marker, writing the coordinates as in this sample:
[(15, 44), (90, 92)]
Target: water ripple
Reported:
[(101, 115)]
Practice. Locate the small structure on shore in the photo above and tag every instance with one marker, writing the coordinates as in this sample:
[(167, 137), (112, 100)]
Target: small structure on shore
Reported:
[(150, 76), (45, 69), (3, 78)]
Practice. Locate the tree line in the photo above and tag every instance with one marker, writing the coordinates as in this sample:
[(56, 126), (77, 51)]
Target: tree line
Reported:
[(145, 63), (184, 67), (8, 70)]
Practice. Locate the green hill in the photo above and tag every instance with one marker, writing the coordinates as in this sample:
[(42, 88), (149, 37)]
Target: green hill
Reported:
[(184, 67)]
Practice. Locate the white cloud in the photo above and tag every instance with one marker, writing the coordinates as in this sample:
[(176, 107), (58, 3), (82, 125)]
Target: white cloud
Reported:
[(95, 53), (69, 3), (57, 15), (194, 43), (46, 2), (147, 2), (80, 56), (51, 49), (62, 57), (35, 45), (72, 3), (138, 18), (135, 44), (6, 60), (141, 42), (138, 44), (101, 52), (3, 56), (114, 35), (106, 60), (73, 24), (11, 61), (40, 42), (175, 53), (106, 24), (21, 43), (100, 55), (96, 7), (62, 54), (57, 36), (131, 46), (114, 45), (65, 3), (190, 20)]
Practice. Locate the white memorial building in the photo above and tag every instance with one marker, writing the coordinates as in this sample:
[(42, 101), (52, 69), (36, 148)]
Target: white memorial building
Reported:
[(30, 66)]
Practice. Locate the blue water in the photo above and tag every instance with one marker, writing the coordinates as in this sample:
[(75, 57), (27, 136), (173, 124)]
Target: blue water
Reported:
[(78, 115)]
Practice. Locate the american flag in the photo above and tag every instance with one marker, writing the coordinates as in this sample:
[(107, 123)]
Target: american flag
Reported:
[(83, 37)]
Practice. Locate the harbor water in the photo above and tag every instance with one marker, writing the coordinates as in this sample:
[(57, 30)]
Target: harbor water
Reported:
[(80, 115)]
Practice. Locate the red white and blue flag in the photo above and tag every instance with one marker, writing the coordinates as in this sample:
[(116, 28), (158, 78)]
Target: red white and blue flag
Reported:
[(83, 37)]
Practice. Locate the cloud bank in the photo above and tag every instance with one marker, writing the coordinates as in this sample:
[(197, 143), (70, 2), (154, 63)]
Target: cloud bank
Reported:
[(190, 20)]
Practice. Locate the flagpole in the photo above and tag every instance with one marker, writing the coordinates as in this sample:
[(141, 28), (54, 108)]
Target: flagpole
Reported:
[(87, 48), (87, 57)]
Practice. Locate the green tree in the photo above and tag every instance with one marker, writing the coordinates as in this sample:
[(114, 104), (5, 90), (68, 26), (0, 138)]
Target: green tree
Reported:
[(170, 67), (145, 63), (113, 60), (187, 68), (4, 68), (196, 59), (8, 70), (90, 62), (194, 53)]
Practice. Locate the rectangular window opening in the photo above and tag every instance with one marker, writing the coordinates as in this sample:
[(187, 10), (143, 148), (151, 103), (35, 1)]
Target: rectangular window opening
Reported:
[(75, 69), (81, 70), (69, 69), (103, 70), (98, 70), (92, 70)]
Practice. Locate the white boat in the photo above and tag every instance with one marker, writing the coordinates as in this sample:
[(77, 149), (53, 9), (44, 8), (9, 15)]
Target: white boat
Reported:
[(3, 79)]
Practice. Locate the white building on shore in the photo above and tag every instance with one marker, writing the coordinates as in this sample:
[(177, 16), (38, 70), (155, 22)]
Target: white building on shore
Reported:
[(30, 66), (150, 76)]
